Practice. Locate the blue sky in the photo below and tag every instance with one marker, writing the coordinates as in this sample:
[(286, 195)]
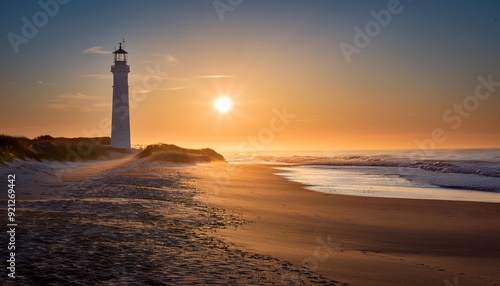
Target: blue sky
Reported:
[(268, 54)]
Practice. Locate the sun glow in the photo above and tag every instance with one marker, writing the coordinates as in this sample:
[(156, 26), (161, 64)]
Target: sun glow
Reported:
[(223, 104)]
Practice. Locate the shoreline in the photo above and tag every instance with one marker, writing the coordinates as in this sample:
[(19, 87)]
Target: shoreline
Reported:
[(271, 226), (357, 240), (364, 181), (131, 222)]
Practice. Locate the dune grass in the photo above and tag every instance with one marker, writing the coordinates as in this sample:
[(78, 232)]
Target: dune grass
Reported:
[(176, 154), (47, 147), (59, 149)]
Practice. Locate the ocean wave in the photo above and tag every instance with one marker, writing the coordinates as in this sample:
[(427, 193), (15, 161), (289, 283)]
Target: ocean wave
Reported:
[(479, 162)]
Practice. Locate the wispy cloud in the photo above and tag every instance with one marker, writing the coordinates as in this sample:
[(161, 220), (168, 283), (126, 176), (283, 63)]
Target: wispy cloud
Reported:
[(171, 60), (41, 82), (173, 83), (79, 96), (96, 50), (167, 82), (79, 102), (157, 73), (213, 76), (98, 76)]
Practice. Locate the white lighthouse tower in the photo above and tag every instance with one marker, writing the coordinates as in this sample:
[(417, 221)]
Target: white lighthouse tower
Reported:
[(120, 121)]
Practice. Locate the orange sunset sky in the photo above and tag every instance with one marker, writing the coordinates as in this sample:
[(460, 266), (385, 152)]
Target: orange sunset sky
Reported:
[(425, 72)]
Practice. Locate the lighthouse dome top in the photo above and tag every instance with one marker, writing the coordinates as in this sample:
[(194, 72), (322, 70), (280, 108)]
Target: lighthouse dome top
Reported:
[(120, 50)]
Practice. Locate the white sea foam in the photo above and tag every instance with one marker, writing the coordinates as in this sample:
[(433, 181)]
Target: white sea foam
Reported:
[(375, 181), (470, 175)]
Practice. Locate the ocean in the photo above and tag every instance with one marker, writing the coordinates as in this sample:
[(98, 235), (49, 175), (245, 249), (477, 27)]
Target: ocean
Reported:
[(460, 175)]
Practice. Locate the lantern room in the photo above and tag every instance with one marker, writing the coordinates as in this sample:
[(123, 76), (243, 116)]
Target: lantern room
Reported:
[(120, 55)]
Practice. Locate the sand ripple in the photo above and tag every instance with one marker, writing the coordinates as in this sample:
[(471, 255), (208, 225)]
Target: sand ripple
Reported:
[(131, 227)]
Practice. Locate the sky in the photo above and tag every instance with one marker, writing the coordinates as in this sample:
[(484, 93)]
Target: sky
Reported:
[(302, 75)]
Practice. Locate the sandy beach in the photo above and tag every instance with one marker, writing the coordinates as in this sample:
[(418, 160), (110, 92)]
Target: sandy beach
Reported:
[(357, 240), (136, 221), (129, 222)]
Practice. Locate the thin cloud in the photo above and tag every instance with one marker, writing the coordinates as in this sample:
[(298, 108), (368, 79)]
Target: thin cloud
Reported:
[(169, 58), (78, 101), (174, 87), (213, 76), (60, 106), (165, 81), (98, 76), (79, 96), (173, 83), (41, 82), (96, 50)]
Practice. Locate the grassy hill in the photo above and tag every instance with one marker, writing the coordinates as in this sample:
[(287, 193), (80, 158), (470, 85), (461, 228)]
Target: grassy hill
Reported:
[(59, 149), (74, 149), (176, 154)]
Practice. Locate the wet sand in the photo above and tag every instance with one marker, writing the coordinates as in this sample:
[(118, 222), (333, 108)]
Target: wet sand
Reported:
[(129, 222), (136, 222), (358, 240)]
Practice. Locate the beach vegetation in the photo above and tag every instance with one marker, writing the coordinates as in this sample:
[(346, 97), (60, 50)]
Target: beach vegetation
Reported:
[(176, 154), (46, 147)]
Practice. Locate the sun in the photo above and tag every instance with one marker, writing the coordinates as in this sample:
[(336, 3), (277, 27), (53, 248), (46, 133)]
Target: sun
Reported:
[(223, 104)]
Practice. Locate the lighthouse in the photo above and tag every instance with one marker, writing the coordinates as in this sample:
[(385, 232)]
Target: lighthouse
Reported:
[(120, 120)]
